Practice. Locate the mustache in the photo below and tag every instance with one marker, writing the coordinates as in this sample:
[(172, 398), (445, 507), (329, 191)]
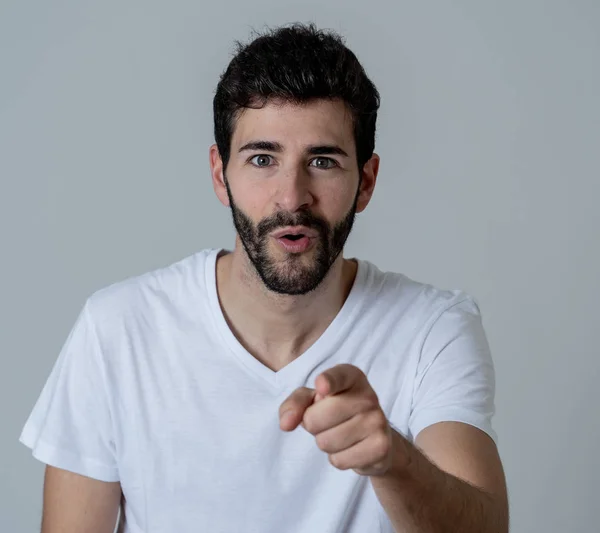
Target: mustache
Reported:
[(281, 220)]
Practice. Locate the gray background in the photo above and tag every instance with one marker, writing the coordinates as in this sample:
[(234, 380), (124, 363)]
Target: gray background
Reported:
[(488, 136)]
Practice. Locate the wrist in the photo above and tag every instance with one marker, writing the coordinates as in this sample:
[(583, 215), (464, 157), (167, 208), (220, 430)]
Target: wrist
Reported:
[(402, 456)]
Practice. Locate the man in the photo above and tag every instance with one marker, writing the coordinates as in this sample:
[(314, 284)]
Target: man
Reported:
[(278, 387)]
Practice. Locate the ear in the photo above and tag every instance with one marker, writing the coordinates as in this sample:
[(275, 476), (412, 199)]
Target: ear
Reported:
[(218, 179), (369, 178)]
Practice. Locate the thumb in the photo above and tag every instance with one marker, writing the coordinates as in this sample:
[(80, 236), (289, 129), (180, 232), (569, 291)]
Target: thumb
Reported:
[(292, 409)]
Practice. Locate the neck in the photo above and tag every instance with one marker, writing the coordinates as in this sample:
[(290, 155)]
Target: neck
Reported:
[(276, 328)]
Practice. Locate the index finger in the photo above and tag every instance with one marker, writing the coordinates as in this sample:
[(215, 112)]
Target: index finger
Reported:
[(338, 379), (291, 411)]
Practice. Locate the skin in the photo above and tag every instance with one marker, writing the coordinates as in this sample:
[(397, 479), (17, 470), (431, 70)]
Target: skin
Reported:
[(289, 187), (452, 476), (78, 504), (277, 306), (451, 479), (274, 327)]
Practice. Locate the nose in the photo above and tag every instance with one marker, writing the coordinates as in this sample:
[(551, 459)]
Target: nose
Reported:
[(293, 190)]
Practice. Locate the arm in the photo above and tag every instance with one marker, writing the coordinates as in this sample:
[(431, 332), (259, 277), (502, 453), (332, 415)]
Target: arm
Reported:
[(452, 481), (79, 504)]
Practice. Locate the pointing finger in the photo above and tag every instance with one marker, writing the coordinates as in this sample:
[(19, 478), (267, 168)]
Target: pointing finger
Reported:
[(292, 409)]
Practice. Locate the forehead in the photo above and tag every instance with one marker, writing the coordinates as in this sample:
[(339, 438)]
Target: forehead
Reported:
[(317, 121)]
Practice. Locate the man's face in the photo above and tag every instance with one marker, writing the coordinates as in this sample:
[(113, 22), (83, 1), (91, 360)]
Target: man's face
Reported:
[(303, 174)]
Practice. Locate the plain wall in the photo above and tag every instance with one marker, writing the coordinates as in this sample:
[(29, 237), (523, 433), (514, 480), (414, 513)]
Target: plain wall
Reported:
[(490, 162)]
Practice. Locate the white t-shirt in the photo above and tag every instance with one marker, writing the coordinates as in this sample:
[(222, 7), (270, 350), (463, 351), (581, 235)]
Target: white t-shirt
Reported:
[(152, 389)]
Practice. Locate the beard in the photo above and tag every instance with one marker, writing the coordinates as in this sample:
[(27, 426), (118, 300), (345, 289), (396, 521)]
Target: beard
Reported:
[(294, 275)]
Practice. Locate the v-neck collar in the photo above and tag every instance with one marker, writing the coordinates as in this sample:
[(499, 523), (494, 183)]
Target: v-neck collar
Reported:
[(321, 349)]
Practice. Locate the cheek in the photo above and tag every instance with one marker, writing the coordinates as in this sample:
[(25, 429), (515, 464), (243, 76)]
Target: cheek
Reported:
[(246, 194), (332, 198), (337, 198)]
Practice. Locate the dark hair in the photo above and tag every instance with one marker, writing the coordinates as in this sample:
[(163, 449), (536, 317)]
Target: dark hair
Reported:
[(295, 64)]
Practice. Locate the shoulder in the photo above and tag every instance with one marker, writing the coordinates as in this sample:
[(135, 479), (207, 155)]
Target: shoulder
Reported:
[(159, 288), (399, 290), (423, 302)]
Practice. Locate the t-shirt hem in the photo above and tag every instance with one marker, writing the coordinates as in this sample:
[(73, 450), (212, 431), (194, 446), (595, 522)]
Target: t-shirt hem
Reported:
[(65, 459)]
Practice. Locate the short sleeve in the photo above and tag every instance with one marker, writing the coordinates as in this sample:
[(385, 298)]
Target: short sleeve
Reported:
[(455, 378), (70, 425)]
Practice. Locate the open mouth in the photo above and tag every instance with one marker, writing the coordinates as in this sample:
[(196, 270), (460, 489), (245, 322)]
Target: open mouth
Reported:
[(295, 237), (295, 243)]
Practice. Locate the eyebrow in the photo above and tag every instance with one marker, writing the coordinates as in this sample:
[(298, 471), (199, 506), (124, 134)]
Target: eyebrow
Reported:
[(272, 146)]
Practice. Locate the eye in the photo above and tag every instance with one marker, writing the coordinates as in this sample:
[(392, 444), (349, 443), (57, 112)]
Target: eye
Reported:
[(323, 162), (261, 158)]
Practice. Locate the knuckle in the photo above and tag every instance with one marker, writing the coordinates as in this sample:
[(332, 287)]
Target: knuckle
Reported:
[(322, 442), (382, 445), (366, 405), (376, 422), (373, 398), (382, 421), (308, 424), (335, 461), (369, 401)]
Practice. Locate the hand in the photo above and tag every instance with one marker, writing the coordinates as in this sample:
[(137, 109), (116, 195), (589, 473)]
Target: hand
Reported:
[(344, 415)]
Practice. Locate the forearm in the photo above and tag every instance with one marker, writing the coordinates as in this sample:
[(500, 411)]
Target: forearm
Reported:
[(418, 497)]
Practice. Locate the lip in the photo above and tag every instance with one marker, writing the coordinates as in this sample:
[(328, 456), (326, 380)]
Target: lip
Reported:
[(296, 247), (295, 230)]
